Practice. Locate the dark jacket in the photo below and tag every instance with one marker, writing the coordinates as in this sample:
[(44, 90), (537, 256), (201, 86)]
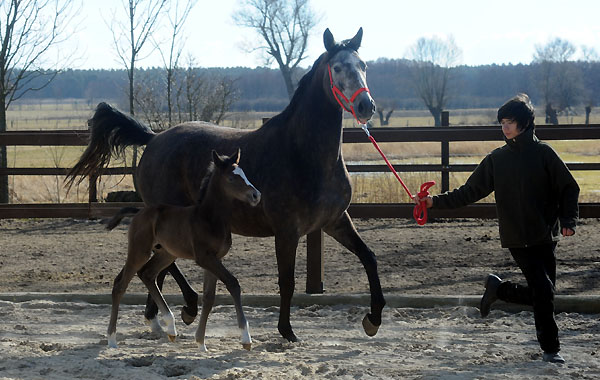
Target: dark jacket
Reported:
[(533, 187)]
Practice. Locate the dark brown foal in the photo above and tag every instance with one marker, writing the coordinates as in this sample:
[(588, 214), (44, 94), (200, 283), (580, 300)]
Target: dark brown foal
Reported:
[(200, 232)]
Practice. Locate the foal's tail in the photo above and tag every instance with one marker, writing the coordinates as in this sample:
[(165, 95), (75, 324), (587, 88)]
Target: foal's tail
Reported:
[(111, 131), (115, 220)]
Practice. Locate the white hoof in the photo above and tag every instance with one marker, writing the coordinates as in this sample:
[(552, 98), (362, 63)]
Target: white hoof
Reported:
[(112, 340), (202, 347), (169, 321), (246, 339)]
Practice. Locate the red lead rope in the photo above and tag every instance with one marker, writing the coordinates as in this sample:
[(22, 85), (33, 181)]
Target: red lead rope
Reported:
[(420, 210)]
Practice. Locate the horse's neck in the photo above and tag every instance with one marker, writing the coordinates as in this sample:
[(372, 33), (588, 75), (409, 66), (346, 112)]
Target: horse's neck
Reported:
[(315, 125), (215, 206)]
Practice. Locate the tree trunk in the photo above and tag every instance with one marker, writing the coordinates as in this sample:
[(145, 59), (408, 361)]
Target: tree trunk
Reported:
[(588, 111), (3, 153), (287, 78)]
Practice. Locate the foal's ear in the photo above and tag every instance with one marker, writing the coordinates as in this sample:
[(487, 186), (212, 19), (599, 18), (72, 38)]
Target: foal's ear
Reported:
[(328, 40), (354, 43)]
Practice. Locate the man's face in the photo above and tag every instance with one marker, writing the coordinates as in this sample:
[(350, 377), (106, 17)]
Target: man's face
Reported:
[(510, 128)]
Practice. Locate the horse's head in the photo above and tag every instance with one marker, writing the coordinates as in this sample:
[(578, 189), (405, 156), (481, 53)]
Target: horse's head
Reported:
[(233, 180), (347, 77)]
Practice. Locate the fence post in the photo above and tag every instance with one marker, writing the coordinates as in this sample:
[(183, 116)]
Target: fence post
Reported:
[(93, 189), (445, 153), (314, 262)]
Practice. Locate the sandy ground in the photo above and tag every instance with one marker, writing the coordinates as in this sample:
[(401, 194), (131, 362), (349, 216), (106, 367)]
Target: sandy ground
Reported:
[(59, 340)]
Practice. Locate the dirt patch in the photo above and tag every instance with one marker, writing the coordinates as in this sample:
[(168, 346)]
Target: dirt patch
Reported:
[(68, 255)]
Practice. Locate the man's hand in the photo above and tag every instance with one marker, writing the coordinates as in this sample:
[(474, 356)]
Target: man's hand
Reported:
[(428, 200)]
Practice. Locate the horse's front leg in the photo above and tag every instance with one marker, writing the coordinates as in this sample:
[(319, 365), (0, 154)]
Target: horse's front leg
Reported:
[(345, 233), (216, 267), (208, 300), (285, 249)]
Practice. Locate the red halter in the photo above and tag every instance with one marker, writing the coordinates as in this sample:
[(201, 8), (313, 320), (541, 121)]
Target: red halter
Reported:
[(337, 92), (420, 210)]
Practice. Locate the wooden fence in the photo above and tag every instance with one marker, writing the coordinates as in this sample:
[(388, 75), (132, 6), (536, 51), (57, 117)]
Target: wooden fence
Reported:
[(444, 135)]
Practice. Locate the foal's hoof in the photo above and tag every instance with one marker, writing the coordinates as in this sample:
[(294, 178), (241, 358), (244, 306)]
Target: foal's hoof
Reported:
[(370, 328), (247, 346), (172, 338), (187, 317)]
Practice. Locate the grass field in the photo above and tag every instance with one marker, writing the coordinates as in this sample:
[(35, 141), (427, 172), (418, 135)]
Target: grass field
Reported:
[(371, 187)]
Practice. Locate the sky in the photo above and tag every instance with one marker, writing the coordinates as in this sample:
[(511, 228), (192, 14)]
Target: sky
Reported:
[(487, 32)]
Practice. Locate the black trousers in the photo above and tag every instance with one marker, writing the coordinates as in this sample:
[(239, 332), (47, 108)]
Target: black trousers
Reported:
[(538, 264)]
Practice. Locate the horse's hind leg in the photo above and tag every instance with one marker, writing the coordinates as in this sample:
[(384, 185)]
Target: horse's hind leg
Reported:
[(215, 266), (208, 300), (151, 310), (148, 275), (345, 233), (135, 260), (190, 310)]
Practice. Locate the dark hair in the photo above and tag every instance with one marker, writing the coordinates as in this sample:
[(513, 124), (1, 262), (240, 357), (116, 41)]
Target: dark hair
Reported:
[(519, 109)]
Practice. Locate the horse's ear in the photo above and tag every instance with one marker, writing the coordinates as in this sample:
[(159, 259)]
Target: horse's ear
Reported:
[(354, 43), (217, 159), (328, 40), (237, 155)]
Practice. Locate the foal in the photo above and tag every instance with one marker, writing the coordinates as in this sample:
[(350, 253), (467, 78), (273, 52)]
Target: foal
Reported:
[(200, 232)]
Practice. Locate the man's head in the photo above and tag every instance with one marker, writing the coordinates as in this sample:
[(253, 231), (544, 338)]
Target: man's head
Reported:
[(520, 110)]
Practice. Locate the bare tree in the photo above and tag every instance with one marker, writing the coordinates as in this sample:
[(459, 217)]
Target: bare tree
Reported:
[(29, 30), (284, 27), (131, 36), (590, 58), (432, 62), (177, 16), (559, 80)]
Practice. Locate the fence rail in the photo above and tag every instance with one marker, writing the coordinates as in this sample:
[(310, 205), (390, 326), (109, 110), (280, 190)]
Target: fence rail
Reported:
[(315, 274)]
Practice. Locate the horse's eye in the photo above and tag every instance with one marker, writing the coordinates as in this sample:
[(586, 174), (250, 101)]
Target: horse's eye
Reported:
[(337, 69)]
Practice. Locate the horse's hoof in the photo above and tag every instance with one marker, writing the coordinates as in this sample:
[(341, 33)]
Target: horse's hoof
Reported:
[(172, 338), (247, 346), (370, 328), (187, 317), (289, 335)]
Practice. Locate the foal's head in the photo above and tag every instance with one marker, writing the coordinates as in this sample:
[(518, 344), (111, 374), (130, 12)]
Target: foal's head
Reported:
[(232, 179)]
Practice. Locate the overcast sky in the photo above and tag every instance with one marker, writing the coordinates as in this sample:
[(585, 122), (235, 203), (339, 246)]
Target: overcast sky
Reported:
[(499, 31)]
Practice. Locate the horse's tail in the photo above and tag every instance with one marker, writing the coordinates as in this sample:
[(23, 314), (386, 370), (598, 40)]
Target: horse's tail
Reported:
[(115, 220), (111, 131)]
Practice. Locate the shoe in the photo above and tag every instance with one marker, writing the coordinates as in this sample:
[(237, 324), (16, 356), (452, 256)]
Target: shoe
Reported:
[(553, 357), (489, 296)]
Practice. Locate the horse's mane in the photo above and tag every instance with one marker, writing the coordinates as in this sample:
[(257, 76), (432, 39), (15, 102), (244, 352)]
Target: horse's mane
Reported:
[(205, 181)]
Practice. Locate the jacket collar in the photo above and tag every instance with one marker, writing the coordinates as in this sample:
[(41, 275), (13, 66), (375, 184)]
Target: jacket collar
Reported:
[(522, 140)]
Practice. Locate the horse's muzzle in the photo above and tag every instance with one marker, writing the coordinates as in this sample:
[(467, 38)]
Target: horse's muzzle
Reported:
[(364, 106), (254, 198)]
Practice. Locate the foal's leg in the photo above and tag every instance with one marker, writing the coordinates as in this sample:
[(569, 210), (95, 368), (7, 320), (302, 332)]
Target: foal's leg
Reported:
[(136, 258), (151, 310), (148, 275), (208, 300), (190, 310), (345, 233), (214, 265)]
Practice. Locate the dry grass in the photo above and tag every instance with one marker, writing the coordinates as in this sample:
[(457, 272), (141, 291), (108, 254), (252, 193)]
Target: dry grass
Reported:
[(368, 187)]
